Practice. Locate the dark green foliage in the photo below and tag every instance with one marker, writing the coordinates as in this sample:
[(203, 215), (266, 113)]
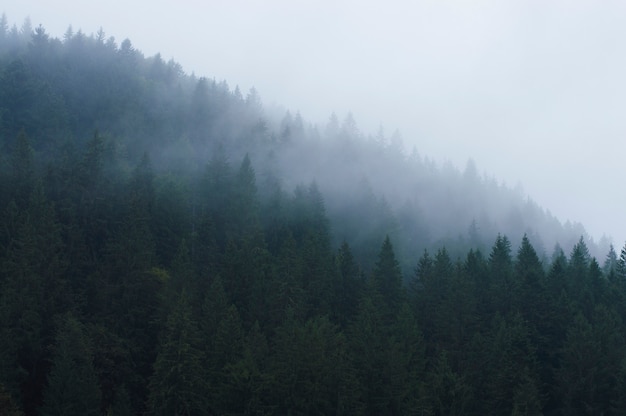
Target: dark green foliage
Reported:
[(348, 285), (310, 369), (8, 407), (72, 388), (387, 279), (501, 274), (23, 178), (177, 385), (173, 263), (447, 392), (512, 366)]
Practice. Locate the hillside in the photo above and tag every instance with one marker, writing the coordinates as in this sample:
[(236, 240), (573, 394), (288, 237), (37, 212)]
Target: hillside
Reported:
[(61, 92), (170, 247)]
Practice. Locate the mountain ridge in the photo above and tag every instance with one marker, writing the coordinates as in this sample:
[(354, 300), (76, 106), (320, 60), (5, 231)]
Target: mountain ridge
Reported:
[(89, 83)]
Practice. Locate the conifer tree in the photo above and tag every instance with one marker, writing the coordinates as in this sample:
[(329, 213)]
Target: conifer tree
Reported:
[(72, 388), (387, 279), (368, 347), (23, 170), (609, 267), (579, 366), (348, 285), (423, 274), (407, 365), (530, 279), (513, 364), (177, 386), (8, 407), (621, 265), (500, 272), (310, 370), (447, 392)]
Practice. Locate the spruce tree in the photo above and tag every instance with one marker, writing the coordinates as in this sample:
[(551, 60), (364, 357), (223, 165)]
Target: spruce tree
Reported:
[(177, 386), (387, 279), (72, 388)]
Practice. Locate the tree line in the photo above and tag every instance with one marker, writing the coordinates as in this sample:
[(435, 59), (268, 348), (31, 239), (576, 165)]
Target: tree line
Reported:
[(145, 294), (189, 257)]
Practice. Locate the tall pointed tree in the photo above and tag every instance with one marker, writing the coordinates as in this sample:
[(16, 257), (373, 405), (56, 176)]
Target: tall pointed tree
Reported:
[(348, 285), (500, 271), (72, 388), (529, 275), (177, 386), (23, 175), (387, 279)]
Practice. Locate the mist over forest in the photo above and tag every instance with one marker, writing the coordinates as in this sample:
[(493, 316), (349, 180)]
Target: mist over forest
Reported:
[(172, 246), (184, 121)]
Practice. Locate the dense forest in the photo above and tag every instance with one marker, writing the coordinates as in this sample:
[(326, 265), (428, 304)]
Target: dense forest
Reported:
[(169, 247)]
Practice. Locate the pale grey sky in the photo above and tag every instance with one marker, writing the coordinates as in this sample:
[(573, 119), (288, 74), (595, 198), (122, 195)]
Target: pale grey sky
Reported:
[(534, 91)]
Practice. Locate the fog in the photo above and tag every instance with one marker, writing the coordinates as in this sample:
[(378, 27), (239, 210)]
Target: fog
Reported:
[(532, 91)]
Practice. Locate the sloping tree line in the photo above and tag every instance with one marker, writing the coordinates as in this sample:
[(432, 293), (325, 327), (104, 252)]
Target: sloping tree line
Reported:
[(149, 293), (61, 91), (151, 269)]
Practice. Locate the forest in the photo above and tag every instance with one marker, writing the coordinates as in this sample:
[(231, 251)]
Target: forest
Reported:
[(171, 247)]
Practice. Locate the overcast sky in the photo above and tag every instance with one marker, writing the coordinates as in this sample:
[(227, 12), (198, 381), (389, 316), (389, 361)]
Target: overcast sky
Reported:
[(533, 91)]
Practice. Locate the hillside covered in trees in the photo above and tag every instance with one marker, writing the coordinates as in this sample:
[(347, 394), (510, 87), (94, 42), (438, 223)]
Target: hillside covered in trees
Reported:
[(169, 247)]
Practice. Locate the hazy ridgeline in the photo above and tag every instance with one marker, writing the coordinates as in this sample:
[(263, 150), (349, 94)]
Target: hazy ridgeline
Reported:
[(62, 91), (152, 217)]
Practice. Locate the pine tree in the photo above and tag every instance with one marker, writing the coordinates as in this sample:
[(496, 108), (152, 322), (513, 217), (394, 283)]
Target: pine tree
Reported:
[(448, 393), (245, 204), (513, 364), (32, 291), (309, 366), (530, 280), (387, 279), (348, 285), (368, 354), (178, 387), (23, 178), (621, 265), (406, 366), (501, 274), (609, 268), (579, 365), (72, 387)]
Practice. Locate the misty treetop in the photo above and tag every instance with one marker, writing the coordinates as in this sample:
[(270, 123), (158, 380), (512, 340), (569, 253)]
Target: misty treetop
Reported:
[(62, 90), (170, 247)]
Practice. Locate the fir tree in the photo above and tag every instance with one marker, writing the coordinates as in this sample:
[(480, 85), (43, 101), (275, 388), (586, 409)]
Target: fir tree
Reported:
[(72, 387)]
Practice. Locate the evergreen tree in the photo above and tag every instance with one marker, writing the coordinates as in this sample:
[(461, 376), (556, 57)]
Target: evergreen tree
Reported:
[(621, 264), (577, 373), (225, 351), (407, 366), (501, 274), (530, 299), (609, 268), (448, 393), (72, 387), (217, 193), (512, 366), (32, 292), (368, 356), (177, 386), (287, 292), (387, 279), (23, 169), (245, 204), (310, 370), (348, 285), (423, 274)]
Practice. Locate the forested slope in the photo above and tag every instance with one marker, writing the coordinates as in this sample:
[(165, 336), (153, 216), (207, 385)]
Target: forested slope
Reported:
[(167, 247)]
